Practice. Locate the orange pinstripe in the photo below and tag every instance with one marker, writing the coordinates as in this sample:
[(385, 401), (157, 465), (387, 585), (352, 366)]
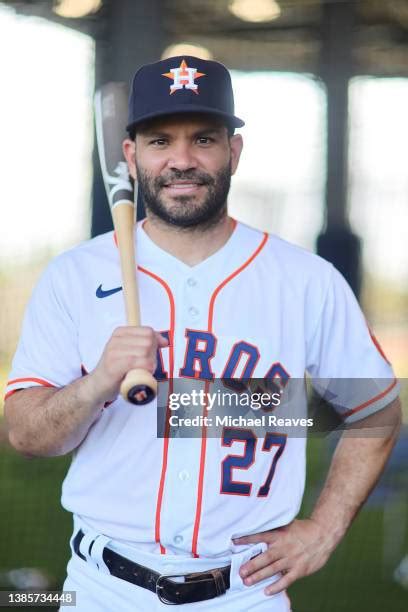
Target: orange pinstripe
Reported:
[(204, 429), (167, 430)]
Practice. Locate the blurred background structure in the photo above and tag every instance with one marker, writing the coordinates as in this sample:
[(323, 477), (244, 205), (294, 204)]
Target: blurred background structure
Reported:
[(323, 88)]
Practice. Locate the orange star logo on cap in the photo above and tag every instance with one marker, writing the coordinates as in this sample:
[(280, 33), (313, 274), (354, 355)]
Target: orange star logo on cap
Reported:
[(183, 77)]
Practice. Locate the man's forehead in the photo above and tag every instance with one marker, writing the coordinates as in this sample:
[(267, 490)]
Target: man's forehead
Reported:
[(195, 121)]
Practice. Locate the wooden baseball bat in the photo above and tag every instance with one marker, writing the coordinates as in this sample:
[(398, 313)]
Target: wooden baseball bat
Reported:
[(111, 101)]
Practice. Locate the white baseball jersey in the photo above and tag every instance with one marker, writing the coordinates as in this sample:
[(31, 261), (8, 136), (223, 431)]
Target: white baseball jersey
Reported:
[(259, 307)]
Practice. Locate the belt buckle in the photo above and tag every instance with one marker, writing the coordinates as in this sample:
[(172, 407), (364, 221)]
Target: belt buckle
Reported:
[(159, 587)]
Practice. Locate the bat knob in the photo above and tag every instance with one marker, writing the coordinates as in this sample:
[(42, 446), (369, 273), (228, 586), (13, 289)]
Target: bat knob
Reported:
[(139, 387), (140, 394)]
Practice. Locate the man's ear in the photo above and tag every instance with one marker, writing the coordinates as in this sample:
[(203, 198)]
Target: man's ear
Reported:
[(129, 151), (236, 144)]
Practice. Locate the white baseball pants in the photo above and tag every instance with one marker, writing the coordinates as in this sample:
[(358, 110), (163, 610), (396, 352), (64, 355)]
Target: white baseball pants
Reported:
[(98, 591)]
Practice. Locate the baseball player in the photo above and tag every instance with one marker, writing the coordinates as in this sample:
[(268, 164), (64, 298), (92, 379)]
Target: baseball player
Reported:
[(207, 523)]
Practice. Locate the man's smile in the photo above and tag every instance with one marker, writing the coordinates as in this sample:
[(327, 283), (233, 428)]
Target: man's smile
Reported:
[(182, 187)]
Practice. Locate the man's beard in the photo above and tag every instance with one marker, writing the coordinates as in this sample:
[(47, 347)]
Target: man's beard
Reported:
[(185, 211)]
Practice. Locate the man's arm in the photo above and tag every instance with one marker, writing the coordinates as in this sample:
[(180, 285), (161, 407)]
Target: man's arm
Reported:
[(303, 547), (47, 422)]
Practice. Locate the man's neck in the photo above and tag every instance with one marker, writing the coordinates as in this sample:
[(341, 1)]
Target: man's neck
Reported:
[(191, 246)]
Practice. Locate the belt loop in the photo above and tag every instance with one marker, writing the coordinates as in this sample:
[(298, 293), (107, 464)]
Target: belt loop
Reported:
[(220, 586), (97, 553), (85, 545)]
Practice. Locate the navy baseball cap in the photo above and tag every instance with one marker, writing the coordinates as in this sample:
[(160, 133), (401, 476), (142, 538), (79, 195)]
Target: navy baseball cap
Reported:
[(179, 85)]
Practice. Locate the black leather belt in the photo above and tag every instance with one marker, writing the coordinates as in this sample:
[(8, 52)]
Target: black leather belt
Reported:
[(197, 586)]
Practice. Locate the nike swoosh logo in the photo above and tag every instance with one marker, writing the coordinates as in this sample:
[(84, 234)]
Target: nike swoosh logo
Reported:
[(101, 293)]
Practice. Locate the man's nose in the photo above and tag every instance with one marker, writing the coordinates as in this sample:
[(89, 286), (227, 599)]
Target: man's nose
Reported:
[(182, 157)]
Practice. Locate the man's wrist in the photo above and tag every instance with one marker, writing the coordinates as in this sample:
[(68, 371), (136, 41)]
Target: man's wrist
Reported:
[(92, 391), (332, 528)]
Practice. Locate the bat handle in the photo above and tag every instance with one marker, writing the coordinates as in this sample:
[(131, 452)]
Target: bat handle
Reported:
[(138, 387)]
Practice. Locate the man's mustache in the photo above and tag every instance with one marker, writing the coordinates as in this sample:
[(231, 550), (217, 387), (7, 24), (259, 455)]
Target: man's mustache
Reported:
[(184, 175)]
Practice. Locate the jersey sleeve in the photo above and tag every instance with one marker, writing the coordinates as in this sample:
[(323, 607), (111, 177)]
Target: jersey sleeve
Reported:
[(346, 363), (47, 353)]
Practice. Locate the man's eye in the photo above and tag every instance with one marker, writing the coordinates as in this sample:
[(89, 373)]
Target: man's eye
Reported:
[(159, 142), (204, 140)]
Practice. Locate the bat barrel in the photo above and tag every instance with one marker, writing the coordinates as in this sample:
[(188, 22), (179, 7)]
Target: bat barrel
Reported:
[(138, 387)]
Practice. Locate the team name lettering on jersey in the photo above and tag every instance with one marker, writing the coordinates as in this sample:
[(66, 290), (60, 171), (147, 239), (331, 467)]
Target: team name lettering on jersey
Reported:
[(200, 349), (240, 366), (240, 352)]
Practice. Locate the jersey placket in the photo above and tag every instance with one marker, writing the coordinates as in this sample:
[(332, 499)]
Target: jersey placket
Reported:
[(184, 454)]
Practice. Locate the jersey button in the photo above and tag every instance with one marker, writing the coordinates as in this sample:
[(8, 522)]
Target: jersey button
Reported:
[(191, 282), (193, 312), (184, 475), (178, 539)]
